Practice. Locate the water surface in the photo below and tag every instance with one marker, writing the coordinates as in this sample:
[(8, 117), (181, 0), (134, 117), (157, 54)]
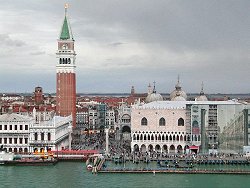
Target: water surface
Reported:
[(74, 174)]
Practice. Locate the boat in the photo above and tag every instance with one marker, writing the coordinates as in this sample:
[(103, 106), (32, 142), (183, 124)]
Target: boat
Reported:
[(6, 156), (10, 159), (89, 167), (95, 162), (31, 162)]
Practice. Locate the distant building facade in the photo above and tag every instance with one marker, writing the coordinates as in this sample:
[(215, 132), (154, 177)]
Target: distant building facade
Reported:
[(123, 124)]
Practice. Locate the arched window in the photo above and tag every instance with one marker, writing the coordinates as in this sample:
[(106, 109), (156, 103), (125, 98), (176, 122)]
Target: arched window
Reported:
[(49, 136), (195, 123), (42, 136), (144, 121), (35, 136), (162, 122), (180, 122)]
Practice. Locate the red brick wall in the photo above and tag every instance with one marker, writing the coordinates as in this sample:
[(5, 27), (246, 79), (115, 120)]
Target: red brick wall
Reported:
[(66, 95)]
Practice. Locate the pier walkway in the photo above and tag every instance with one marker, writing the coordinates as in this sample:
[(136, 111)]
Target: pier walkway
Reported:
[(176, 171)]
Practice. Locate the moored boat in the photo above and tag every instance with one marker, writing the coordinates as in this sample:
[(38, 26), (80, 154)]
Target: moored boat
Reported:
[(89, 167), (6, 156), (31, 162), (95, 162), (10, 159)]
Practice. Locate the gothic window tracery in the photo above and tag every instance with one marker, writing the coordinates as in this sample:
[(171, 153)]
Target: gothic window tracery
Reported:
[(162, 122), (144, 121), (180, 122)]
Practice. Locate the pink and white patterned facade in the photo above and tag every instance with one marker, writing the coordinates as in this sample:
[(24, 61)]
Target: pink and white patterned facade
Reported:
[(160, 126)]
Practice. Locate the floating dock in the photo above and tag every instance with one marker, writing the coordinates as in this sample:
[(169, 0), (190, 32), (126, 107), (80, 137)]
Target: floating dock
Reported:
[(177, 171)]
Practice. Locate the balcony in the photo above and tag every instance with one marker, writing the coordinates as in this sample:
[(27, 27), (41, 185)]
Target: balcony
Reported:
[(41, 142)]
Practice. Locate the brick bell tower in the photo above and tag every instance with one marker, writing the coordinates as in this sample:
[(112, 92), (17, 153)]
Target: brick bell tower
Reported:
[(38, 95), (65, 72)]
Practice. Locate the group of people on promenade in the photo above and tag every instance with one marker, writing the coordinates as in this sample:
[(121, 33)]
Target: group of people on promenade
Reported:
[(121, 148)]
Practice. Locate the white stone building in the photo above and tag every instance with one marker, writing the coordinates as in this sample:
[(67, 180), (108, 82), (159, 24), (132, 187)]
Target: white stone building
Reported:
[(14, 132), (54, 134), (20, 133)]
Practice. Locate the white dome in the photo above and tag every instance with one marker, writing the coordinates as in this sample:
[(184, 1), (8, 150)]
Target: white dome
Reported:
[(153, 97), (178, 98), (201, 98), (173, 94), (178, 91)]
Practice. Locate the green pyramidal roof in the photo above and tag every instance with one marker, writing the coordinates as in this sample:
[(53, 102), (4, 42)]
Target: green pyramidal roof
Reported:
[(65, 33)]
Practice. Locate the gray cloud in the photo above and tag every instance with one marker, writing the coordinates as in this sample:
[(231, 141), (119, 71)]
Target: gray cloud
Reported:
[(124, 43), (116, 43), (37, 53), (6, 40)]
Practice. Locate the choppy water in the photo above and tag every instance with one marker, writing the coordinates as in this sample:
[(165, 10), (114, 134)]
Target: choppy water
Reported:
[(74, 174)]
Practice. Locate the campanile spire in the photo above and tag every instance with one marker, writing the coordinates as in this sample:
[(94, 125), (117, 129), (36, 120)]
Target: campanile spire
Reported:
[(66, 32), (65, 72)]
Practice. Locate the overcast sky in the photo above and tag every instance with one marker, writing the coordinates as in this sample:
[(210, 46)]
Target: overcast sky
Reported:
[(120, 43)]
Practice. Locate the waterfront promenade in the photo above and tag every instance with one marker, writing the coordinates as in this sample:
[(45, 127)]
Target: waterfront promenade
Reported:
[(121, 160)]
